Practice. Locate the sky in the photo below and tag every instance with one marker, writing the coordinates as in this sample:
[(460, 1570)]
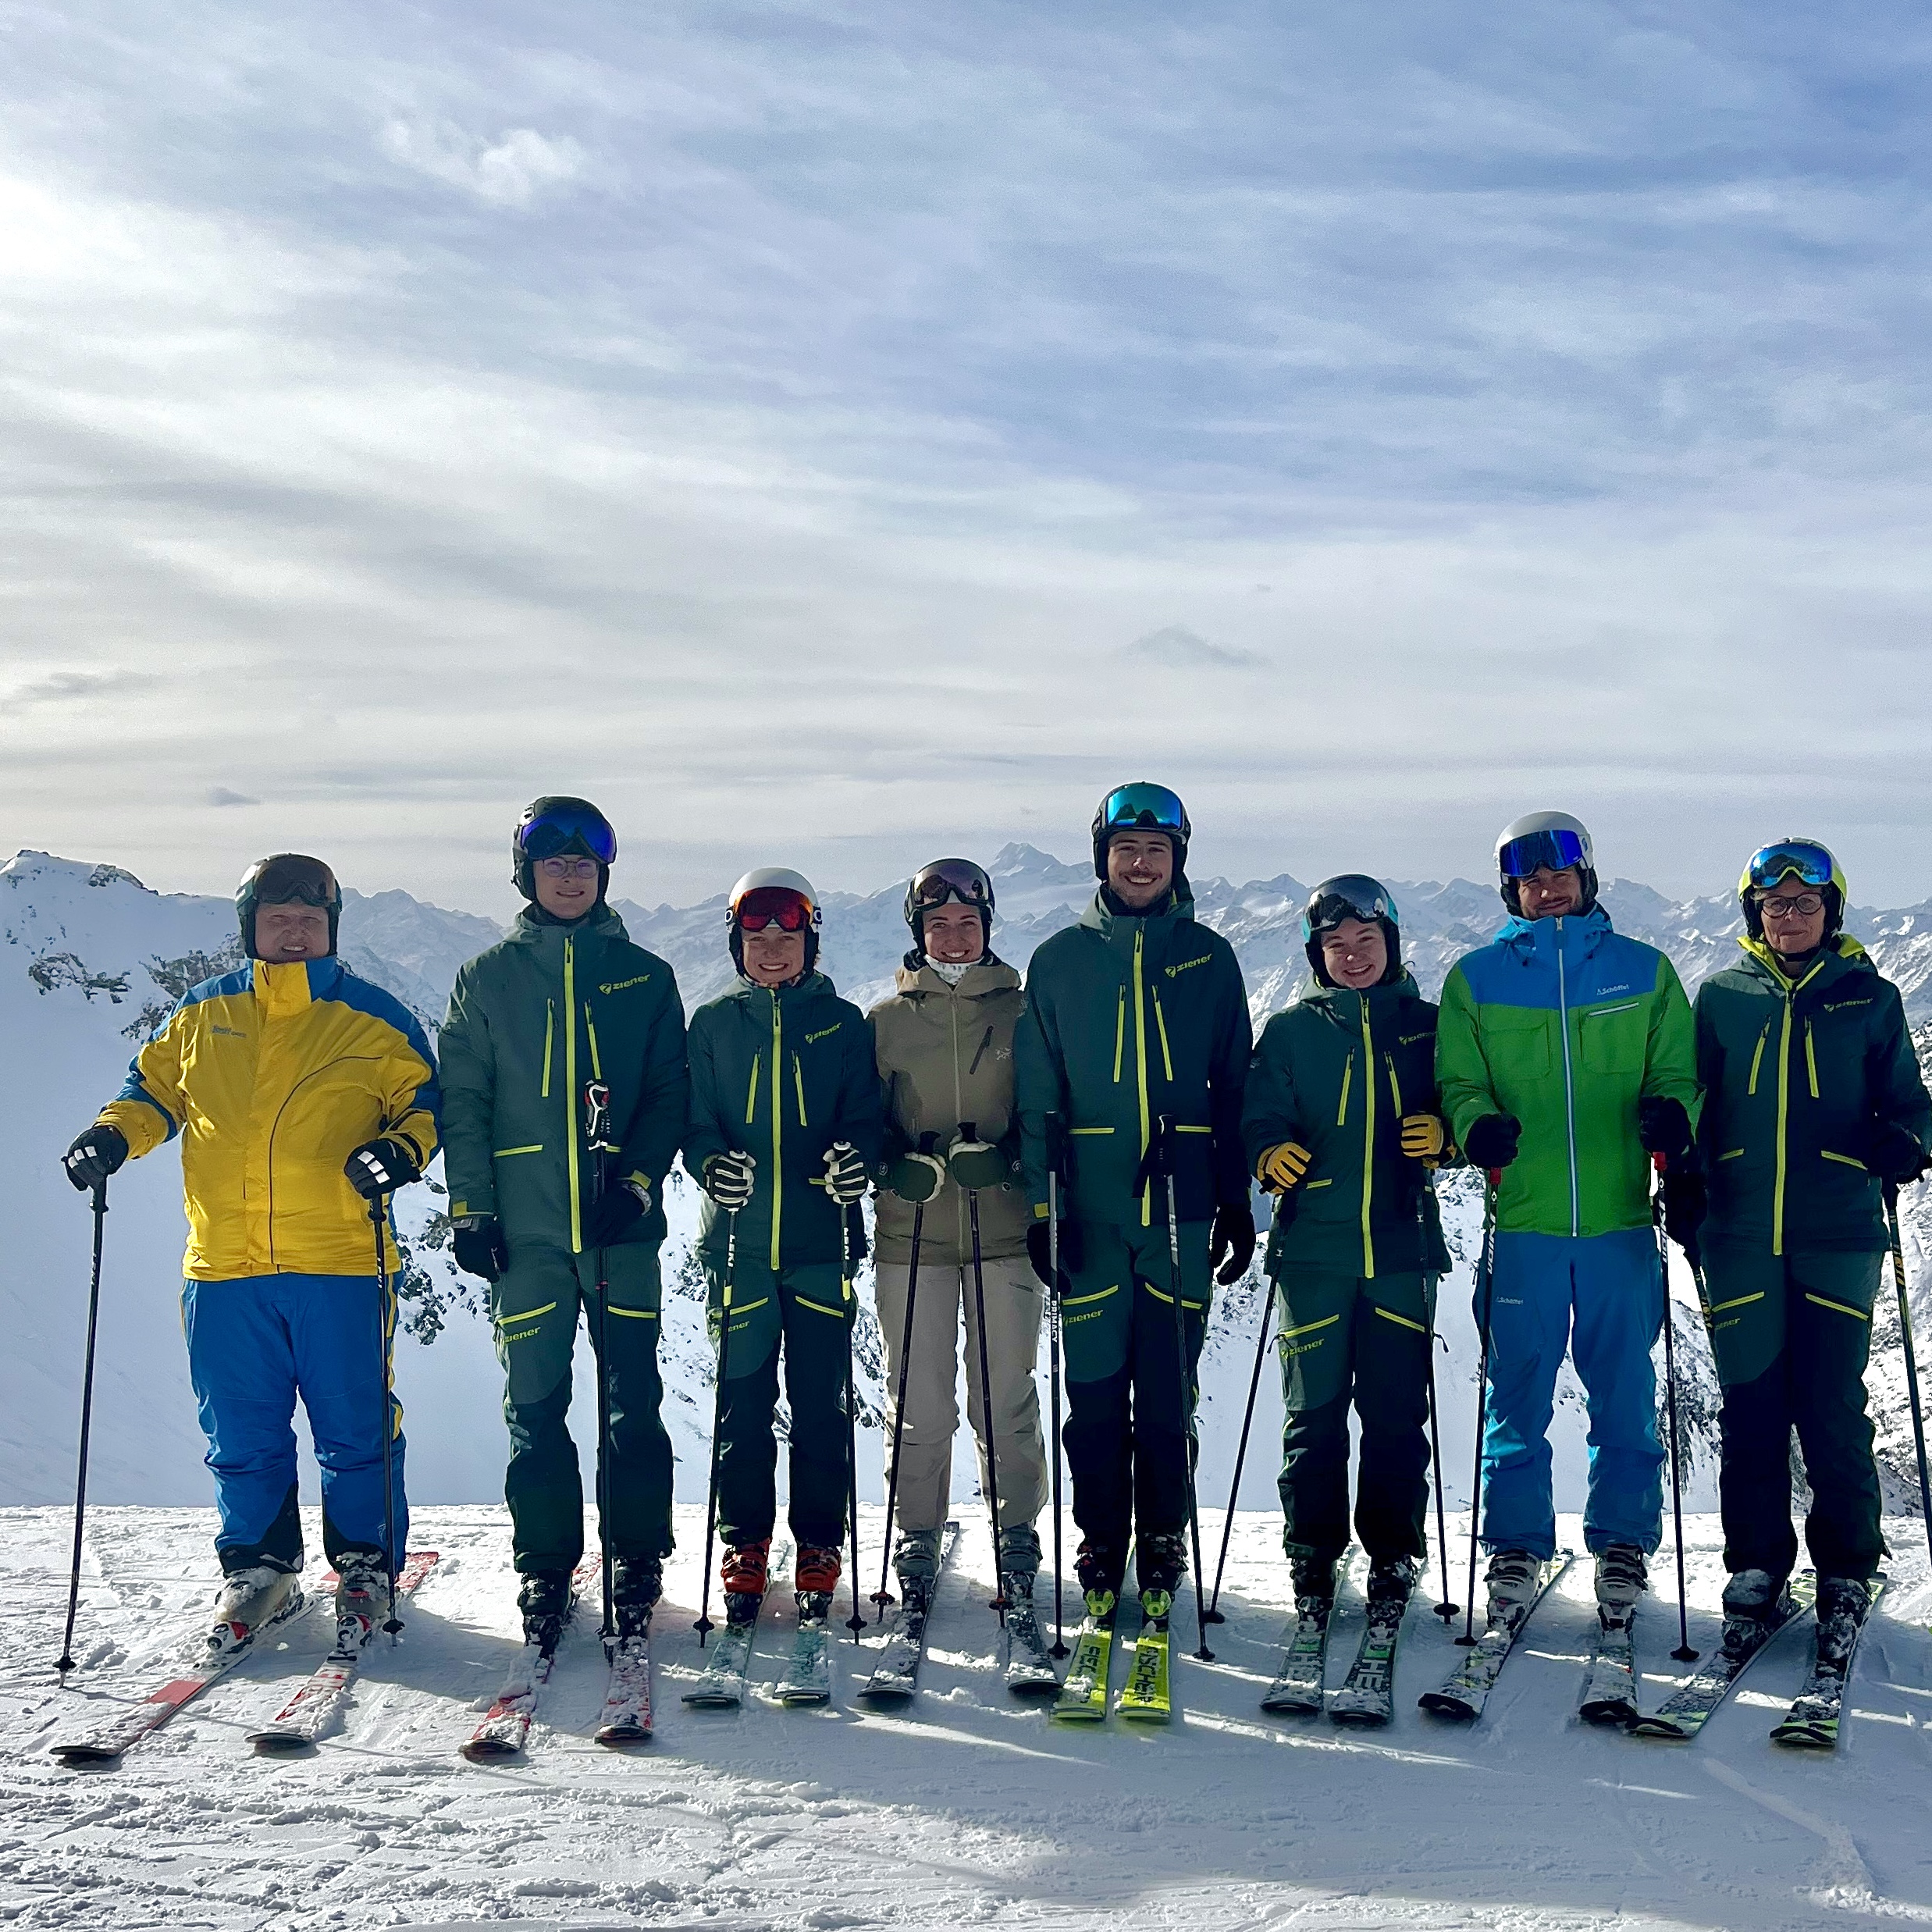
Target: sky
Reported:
[(832, 434)]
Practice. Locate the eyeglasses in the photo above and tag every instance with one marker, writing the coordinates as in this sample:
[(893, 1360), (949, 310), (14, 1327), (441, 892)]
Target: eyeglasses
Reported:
[(1557, 849), (567, 868), (1800, 857), (774, 905), (951, 879), (1806, 905)]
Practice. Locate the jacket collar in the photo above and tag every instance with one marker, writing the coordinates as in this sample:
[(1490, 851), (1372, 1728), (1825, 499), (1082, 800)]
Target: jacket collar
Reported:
[(1577, 934), (1102, 918), (286, 986), (982, 977), (1844, 955), (531, 928), (813, 986), (1344, 1005)]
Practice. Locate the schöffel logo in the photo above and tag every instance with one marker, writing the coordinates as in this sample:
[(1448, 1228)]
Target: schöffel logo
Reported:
[(619, 986), (824, 1032), (1207, 959), (1610, 992)]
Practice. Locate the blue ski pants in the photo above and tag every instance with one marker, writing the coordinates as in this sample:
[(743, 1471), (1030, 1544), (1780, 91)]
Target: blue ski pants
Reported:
[(1603, 1298), (253, 1345)]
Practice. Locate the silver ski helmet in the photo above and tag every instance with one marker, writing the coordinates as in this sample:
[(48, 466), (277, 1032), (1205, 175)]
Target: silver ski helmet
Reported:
[(286, 878), (941, 880), (773, 894), (1539, 839), (1351, 895), (1142, 806), (551, 827)]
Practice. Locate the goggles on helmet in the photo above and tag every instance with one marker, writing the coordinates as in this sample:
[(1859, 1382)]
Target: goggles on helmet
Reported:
[(951, 879), (1143, 807), (1557, 849), (289, 878), (561, 827), (1811, 863), (1353, 895), (774, 905)]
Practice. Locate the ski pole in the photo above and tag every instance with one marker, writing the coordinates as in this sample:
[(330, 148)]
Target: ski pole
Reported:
[(1167, 1134), (1240, 1454), (883, 1596), (1904, 1331), (969, 1130), (1495, 1178), (597, 1139), (1056, 1156), (66, 1662), (703, 1626), (393, 1623), (1445, 1610), (1684, 1654), (854, 1623)]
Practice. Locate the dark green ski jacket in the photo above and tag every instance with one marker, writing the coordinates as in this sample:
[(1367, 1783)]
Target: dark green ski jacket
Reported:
[(1130, 1017), (782, 1075), (1796, 1078), (532, 1022), (1336, 1073)]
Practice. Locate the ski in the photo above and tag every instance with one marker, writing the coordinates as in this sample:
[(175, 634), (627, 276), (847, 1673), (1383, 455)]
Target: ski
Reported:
[(1367, 1694), (505, 1728), (303, 1718), (1082, 1698), (1297, 1690), (1467, 1689), (722, 1686), (1811, 1723), (807, 1679), (1609, 1686), (626, 1716), (106, 1741), (1688, 1708), (896, 1676), (1145, 1698), (1026, 1662)]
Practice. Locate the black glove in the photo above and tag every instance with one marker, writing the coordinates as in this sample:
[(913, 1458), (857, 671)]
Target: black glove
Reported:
[(1491, 1142), (729, 1178), (1234, 1236), (1894, 1154), (612, 1217), (915, 1177), (1685, 1202), (1040, 1253), (101, 1152), (974, 1164), (1663, 1126), (481, 1249), (380, 1167)]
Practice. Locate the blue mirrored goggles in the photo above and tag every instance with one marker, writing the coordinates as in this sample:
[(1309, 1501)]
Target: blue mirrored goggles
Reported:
[(556, 831), (1556, 850), (1131, 807), (1811, 864), (1353, 896)]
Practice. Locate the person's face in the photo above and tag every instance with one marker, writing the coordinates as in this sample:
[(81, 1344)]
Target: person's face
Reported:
[(1548, 895), (772, 955), (1140, 867), (1355, 953), (1794, 916), (294, 932), (566, 884), (953, 934)]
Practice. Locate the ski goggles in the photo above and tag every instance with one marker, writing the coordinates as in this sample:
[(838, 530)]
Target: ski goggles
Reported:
[(775, 905), (1773, 864), (559, 829), (1135, 807), (951, 879), (1556, 850), (291, 878), (1355, 895)]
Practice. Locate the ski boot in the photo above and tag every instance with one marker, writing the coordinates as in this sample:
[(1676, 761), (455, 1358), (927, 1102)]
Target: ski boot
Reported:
[(362, 1595), (1391, 1582), (1842, 1602), (1511, 1581), (1753, 1601), (1018, 1565), (262, 1593), (814, 1577), (1313, 1578), (1623, 1576), (1159, 1563), (915, 1564), (544, 1598), (744, 1574), (636, 1584), (1101, 1572)]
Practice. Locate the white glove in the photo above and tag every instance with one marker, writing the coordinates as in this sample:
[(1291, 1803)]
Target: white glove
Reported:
[(845, 1173)]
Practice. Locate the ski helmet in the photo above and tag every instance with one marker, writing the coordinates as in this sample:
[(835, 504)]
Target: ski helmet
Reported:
[(1351, 895), (286, 878), (942, 880), (551, 827), (1142, 806), (773, 894), (1539, 839), (1802, 858)]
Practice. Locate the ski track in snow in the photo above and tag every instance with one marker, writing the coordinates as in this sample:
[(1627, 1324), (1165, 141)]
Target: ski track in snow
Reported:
[(963, 1809)]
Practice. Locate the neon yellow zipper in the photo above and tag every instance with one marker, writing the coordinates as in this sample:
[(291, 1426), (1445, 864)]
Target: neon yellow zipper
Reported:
[(1811, 1060), (1140, 1068), (590, 1033), (1751, 1086), (1368, 1137), (778, 1128), (1160, 1022), (1120, 1032), (1395, 1085), (1784, 1104), (1348, 1075), (570, 1091), (751, 1093), (549, 1029), (798, 1080)]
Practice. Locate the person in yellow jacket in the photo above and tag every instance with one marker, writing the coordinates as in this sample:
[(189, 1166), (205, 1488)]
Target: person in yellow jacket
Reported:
[(303, 1094)]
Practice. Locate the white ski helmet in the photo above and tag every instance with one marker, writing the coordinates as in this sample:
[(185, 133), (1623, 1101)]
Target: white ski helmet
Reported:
[(774, 892), (1537, 839)]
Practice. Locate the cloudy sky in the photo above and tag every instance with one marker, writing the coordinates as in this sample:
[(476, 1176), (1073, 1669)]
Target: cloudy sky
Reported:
[(831, 434)]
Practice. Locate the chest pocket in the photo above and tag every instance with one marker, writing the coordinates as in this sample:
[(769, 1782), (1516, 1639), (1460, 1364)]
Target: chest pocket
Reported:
[(1518, 1041), (1615, 1037)]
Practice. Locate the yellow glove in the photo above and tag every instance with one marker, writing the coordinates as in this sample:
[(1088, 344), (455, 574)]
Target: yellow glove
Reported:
[(1421, 1136), (1281, 1167)]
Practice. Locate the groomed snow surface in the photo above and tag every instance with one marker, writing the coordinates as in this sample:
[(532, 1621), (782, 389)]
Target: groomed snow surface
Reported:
[(967, 1808)]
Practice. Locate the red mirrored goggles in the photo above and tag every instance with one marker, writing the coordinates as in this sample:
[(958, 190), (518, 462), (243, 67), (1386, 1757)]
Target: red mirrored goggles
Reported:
[(774, 905)]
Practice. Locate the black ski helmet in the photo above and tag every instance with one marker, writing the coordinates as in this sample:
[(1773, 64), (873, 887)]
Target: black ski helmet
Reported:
[(1351, 895), (552, 826), (286, 878), (941, 879), (1142, 806)]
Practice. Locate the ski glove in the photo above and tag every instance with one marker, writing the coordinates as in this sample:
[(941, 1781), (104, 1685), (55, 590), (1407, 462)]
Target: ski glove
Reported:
[(1685, 1202), (1233, 1240), (380, 1167), (845, 1173), (1040, 1253), (101, 1152), (976, 1164), (1491, 1142), (613, 1218), (481, 1249), (1422, 1136), (1281, 1168), (915, 1177), (1893, 1154), (728, 1179), (1663, 1126)]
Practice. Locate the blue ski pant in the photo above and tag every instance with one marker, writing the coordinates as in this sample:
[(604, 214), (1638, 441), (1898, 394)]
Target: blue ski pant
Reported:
[(1602, 1297), (254, 1344)]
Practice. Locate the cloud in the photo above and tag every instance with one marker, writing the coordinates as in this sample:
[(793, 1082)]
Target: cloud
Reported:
[(1177, 645), (220, 794), (67, 687), (520, 167)]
